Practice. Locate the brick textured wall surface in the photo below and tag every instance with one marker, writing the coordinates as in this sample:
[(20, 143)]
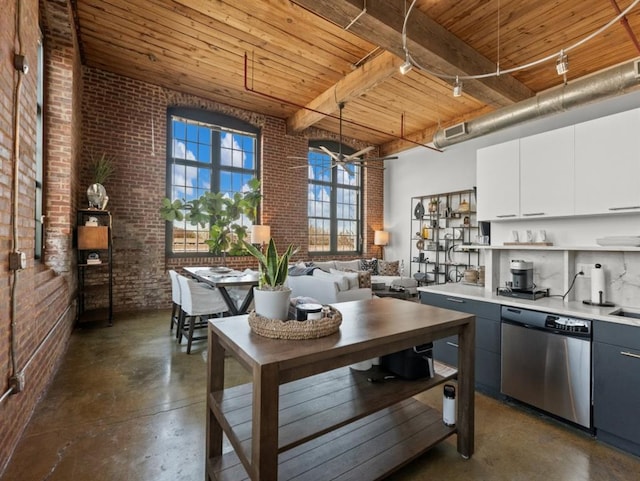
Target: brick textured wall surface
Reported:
[(119, 115), (43, 291)]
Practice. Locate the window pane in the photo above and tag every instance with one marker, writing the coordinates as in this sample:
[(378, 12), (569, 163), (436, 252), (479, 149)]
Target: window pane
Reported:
[(332, 204), (199, 151)]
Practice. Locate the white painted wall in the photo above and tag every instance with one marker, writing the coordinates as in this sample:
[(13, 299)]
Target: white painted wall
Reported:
[(421, 171)]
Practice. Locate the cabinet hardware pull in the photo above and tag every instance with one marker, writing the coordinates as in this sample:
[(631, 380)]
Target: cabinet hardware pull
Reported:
[(530, 214), (502, 216), (453, 344), (453, 299), (631, 207), (625, 353)]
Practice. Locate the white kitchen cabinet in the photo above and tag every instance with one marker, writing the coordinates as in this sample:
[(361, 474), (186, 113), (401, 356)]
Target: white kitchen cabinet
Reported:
[(547, 174), (498, 181), (607, 164)]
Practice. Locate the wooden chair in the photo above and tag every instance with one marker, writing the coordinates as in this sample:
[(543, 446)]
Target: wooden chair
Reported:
[(198, 303)]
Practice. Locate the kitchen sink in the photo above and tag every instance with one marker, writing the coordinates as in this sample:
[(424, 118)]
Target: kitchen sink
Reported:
[(625, 313)]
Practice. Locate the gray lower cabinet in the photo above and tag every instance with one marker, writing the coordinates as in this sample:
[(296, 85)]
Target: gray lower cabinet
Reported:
[(487, 338), (616, 385)]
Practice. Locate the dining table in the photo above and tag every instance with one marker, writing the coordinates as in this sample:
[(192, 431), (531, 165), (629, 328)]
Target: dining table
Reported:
[(223, 279)]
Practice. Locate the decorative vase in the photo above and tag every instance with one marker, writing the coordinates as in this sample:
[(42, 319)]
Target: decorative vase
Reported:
[(272, 304), (96, 194)]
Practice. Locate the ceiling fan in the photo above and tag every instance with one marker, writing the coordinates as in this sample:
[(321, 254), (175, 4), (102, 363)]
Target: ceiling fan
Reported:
[(345, 160)]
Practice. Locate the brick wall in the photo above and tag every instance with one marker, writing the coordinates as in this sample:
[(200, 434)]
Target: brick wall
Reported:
[(119, 115), (43, 291)]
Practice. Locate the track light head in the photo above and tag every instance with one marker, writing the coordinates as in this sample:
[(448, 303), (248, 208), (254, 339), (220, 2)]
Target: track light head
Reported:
[(562, 64), (406, 67), (457, 88)]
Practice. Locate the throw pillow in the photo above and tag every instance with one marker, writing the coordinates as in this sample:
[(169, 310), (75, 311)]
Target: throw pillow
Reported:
[(370, 265), (352, 277), (364, 279), (389, 268)]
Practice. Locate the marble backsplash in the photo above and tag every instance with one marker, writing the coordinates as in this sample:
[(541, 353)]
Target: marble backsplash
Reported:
[(622, 273)]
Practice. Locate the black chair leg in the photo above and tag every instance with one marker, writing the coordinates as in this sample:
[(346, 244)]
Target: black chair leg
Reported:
[(174, 315)]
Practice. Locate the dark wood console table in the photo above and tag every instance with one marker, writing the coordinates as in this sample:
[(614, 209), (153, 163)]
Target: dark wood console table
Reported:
[(307, 415)]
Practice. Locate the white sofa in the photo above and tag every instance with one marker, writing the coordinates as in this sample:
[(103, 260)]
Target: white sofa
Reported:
[(337, 281), (325, 290)]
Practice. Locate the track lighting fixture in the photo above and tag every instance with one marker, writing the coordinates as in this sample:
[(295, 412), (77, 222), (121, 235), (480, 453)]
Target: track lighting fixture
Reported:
[(562, 64), (406, 66), (562, 59), (457, 88)]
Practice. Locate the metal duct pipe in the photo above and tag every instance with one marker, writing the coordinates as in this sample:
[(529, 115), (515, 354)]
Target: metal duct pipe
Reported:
[(612, 82)]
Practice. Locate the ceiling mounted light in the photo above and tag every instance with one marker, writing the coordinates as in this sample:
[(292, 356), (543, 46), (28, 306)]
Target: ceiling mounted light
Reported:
[(562, 64), (406, 66), (457, 88)]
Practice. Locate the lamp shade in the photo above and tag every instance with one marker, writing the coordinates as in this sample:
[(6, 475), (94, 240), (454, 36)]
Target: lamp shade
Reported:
[(381, 238), (260, 234)]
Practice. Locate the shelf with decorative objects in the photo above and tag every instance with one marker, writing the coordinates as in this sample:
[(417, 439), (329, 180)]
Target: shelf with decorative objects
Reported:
[(443, 233), (95, 266)]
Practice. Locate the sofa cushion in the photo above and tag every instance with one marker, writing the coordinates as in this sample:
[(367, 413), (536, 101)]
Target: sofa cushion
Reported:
[(325, 265), (370, 265), (353, 265), (341, 281), (388, 268), (352, 277)]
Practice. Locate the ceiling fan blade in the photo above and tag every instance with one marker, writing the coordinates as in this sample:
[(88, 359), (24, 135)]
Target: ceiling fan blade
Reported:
[(330, 154), (346, 167), (376, 167), (303, 166), (361, 161), (359, 153)]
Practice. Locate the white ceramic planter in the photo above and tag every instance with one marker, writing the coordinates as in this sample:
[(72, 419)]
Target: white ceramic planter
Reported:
[(272, 304)]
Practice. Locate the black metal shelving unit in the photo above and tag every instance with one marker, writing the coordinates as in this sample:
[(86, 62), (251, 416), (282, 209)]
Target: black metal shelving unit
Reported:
[(95, 266), (443, 233)]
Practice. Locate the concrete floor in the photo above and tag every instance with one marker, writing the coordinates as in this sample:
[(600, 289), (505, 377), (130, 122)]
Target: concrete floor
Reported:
[(128, 404)]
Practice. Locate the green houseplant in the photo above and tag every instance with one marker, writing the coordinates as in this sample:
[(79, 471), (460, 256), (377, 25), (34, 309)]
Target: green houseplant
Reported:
[(271, 297), (223, 214)]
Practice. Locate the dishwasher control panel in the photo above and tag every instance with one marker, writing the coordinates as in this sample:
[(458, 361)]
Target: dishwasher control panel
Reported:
[(568, 324)]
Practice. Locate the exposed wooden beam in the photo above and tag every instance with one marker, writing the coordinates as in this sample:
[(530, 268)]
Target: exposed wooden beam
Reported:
[(348, 88), (429, 43)]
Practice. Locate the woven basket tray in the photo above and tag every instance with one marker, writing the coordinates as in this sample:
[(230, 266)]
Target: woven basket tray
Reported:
[(312, 329)]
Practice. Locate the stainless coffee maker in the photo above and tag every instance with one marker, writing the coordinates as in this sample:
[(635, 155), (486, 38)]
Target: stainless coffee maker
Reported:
[(522, 275)]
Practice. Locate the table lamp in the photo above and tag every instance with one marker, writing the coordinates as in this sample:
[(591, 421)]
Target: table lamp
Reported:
[(381, 238), (260, 234)]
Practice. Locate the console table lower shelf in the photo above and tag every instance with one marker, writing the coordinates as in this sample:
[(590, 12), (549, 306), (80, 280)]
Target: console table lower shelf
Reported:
[(369, 448)]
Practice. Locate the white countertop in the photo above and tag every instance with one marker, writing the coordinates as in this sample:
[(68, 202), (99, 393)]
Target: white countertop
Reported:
[(553, 305)]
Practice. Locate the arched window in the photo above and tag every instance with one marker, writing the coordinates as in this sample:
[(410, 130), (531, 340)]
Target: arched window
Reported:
[(334, 201), (206, 151)]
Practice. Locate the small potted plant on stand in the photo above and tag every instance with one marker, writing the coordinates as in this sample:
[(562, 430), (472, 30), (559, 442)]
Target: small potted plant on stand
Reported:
[(271, 297)]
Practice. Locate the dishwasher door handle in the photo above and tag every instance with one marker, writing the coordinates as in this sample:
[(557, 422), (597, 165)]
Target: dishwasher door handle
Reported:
[(630, 354)]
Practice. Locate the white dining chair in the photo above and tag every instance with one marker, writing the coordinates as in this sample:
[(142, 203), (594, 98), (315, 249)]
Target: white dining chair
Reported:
[(198, 304), (176, 302)]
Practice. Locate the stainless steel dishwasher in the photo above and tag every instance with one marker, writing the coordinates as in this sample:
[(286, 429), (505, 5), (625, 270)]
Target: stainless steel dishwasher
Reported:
[(546, 362)]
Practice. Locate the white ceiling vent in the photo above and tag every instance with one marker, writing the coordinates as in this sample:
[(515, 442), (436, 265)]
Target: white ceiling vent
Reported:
[(455, 130), (636, 68)]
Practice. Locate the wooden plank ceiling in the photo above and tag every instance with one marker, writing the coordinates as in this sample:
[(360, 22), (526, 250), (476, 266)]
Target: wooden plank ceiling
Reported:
[(300, 53)]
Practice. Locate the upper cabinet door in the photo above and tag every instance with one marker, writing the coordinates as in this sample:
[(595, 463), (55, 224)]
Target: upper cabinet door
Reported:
[(607, 162), (547, 174), (498, 181)]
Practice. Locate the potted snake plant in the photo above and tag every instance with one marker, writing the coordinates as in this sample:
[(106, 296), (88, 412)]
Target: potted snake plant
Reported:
[(271, 297)]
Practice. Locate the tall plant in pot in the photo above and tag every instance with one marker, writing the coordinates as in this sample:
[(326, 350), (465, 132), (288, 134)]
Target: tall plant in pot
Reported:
[(271, 297)]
